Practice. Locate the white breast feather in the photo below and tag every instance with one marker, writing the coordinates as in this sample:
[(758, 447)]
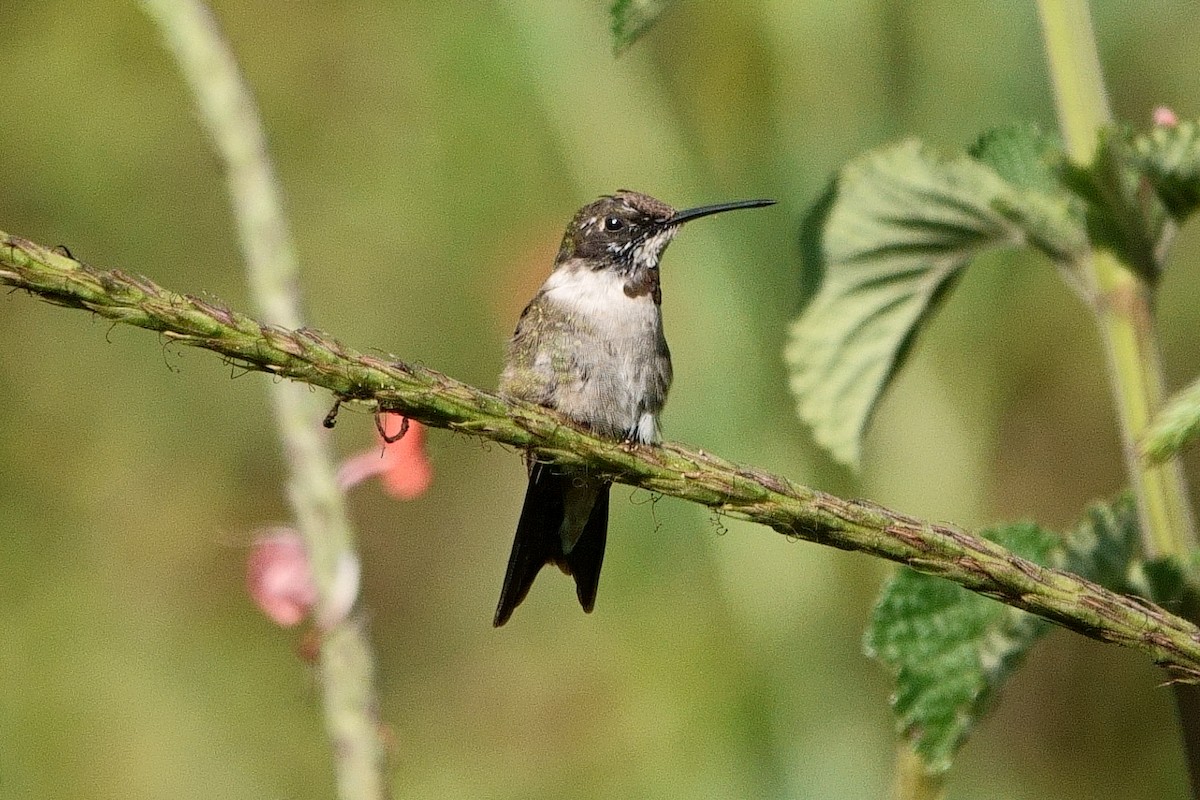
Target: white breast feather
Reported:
[(599, 296)]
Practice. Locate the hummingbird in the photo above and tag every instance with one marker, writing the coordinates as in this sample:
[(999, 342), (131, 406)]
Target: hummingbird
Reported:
[(590, 346)]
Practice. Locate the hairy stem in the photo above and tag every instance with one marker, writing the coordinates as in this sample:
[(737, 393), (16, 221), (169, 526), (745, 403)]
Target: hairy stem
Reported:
[(740, 491), (228, 111)]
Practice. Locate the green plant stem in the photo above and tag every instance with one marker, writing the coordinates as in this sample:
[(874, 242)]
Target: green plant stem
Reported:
[(1122, 302), (913, 781), (740, 491), (1121, 299), (345, 665), (1131, 346)]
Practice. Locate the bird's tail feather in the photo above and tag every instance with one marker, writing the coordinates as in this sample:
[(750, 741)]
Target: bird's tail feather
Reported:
[(539, 541)]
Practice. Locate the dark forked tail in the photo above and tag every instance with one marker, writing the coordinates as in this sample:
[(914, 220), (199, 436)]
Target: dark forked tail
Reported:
[(539, 540)]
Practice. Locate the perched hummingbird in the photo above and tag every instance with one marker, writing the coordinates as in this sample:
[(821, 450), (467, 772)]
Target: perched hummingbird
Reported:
[(590, 345)]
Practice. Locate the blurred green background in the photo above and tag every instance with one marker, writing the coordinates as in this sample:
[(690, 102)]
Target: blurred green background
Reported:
[(431, 154)]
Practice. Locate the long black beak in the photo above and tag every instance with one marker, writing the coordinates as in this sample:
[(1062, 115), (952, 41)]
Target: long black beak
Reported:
[(703, 211)]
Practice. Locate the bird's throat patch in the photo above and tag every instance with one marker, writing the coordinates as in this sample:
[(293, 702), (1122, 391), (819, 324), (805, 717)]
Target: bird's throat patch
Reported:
[(645, 282)]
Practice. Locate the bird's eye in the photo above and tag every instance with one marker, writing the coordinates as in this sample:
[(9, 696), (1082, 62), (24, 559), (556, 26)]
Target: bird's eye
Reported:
[(613, 223)]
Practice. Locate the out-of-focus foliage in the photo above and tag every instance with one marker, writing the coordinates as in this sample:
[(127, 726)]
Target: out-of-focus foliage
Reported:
[(440, 149), (1176, 426), (952, 651)]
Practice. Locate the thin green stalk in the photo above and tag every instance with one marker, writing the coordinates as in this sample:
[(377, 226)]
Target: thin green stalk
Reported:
[(346, 665), (1122, 301), (1131, 346), (1121, 298), (913, 781), (739, 491)]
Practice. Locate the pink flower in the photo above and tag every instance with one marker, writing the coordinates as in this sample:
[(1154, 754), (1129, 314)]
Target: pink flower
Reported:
[(278, 577), (1165, 117), (403, 465)]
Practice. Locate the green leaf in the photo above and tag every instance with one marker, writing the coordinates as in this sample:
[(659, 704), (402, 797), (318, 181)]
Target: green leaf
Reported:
[(1138, 190), (951, 650), (1024, 155), (1104, 548), (1169, 157), (890, 235), (1104, 545), (1177, 425), (632, 18), (1124, 212)]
